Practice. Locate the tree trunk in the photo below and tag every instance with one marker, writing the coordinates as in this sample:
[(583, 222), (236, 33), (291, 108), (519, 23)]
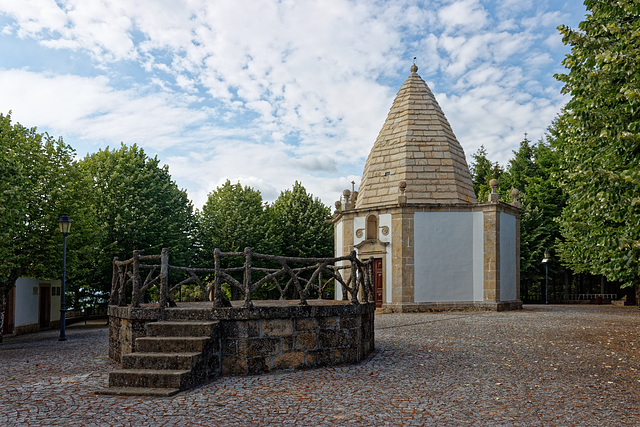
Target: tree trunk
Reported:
[(5, 287)]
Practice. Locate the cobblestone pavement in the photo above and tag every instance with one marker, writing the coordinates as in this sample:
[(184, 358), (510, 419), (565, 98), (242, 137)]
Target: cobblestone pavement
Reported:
[(544, 365)]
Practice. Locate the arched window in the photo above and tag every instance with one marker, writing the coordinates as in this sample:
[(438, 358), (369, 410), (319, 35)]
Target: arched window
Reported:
[(372, 227)]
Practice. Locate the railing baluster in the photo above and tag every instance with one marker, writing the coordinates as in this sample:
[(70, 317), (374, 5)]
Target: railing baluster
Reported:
[(114, 283), (355, 278), (164, 278), (122, 298), (135, 298), (248, 255)]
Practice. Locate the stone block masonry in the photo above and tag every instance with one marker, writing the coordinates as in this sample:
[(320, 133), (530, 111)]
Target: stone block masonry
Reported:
[(274, 335)]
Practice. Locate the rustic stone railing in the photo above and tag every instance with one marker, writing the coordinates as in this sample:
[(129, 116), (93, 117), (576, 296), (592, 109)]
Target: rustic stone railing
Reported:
[(313, 276)]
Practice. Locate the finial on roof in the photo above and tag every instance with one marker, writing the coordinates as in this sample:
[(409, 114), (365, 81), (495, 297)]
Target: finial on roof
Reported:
[(414, 67)]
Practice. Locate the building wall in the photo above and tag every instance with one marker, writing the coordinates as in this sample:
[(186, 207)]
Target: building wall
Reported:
[(508, 258), (446, 245), (478, 257), (27, 300), (385, 221), (436, 254)]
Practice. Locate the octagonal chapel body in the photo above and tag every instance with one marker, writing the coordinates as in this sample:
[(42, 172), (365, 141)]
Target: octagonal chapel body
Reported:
[(434, 246)]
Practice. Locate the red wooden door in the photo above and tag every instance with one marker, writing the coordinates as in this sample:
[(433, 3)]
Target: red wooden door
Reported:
[(377, 281)]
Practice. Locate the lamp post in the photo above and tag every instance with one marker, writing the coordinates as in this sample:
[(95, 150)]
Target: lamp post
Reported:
[(546, 275), (65, 226)]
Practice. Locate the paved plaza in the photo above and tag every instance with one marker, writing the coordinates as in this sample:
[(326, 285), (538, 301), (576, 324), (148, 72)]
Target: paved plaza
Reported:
[(544, 365)]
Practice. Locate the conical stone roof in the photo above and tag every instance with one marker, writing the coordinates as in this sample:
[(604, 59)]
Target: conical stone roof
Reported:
[(416, 145)]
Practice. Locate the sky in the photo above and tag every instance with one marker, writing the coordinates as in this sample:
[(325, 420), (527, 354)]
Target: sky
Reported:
[(269, 92)]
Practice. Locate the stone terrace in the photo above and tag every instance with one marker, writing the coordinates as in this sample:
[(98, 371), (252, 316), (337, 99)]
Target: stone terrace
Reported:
[(545, 365)]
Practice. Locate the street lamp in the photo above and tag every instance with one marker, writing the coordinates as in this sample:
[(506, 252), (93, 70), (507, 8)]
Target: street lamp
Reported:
[(545, 261), (65, 226)]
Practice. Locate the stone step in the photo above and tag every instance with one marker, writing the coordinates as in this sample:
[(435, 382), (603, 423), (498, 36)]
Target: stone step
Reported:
[(186, 314), (171, 344), (150, 378), (138, 391), (180, 329), (170, 361)]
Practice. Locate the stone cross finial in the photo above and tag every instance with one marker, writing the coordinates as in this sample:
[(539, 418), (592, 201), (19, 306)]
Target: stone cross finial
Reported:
[(514, 194), (494, 197)]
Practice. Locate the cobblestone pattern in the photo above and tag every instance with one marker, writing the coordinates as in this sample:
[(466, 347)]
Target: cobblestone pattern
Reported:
[(543, 366)]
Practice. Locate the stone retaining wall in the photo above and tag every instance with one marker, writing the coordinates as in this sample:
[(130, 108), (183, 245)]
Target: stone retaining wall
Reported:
[(280, 335)]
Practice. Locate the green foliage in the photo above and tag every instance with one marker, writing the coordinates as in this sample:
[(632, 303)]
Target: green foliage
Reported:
[(533, 171), (482, 171), (298, 221), (135, 205), (232, 219), (36, 185), (599, 139)]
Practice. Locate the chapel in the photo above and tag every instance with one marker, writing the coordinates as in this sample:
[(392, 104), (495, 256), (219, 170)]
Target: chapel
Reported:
[(435, 247)]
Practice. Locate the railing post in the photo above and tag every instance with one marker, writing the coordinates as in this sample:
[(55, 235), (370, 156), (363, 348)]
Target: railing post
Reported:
[(248, 255), (122, 296), (135, 297), (164, 278), (114, 283), (217, 286), (355, 283)]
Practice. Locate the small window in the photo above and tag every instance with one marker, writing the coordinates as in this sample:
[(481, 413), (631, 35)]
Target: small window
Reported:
[(372, 227)]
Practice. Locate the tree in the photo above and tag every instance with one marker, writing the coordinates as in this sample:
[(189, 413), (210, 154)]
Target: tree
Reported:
[(299, 222), (599, 142), (482, 171), (533, 171), (233, 218), (36, 182), (137, 207)]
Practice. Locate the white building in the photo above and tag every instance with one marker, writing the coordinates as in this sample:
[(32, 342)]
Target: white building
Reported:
[(31, 306), (435, 247)]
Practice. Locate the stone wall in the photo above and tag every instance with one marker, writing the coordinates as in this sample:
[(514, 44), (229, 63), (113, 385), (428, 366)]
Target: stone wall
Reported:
[(125, 325), (266, 337)]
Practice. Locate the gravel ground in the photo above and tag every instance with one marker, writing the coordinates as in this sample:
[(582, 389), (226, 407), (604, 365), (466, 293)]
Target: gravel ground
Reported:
[(544, 365)]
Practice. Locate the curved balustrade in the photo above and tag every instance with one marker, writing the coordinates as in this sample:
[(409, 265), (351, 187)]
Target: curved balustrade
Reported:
[(299, 277)]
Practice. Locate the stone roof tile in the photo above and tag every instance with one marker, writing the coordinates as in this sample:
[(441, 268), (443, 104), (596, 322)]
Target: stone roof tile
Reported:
[(416, 145)]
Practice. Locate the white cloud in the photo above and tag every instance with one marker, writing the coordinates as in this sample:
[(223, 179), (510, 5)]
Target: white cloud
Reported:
[(90, 109), (463, 16), (273, 92)]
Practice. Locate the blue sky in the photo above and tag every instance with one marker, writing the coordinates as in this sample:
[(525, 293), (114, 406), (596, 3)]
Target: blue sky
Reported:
[(270, 92)]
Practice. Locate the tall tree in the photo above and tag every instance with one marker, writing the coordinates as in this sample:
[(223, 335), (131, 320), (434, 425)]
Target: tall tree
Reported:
[(533, 171), (137, 206), (36, 179), (233, 218), (599, 140), (299, 221), (482, 171)]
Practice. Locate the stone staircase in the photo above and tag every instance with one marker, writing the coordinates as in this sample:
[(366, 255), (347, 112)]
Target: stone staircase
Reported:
[(174, 356)]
